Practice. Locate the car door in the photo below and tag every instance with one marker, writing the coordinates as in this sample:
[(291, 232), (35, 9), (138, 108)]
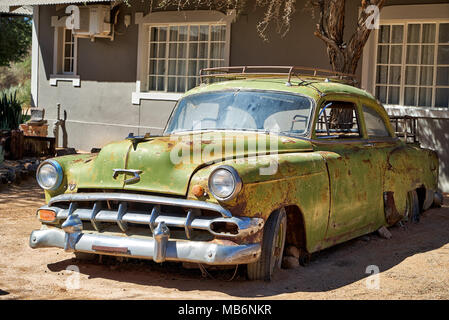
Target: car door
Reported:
[(380, 136), (354, 178)]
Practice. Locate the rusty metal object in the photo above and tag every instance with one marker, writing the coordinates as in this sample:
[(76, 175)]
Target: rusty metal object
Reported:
[(122, 250), (391, 213), (406, 128), (246, 72), (60, 123), (333, 189)]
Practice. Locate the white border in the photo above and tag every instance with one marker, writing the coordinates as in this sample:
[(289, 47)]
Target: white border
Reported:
[(59, 25), (167, 96), (54, 78), (35, 49), (401, 14)]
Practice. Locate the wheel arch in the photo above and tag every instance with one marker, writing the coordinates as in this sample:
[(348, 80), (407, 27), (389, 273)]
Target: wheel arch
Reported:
[(296, 229)]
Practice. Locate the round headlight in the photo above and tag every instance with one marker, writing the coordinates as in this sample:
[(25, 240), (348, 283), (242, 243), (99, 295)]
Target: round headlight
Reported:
[(224, 183), (49, 175)]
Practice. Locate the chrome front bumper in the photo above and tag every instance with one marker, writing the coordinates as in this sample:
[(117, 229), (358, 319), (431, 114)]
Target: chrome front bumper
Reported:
[(176, 250)]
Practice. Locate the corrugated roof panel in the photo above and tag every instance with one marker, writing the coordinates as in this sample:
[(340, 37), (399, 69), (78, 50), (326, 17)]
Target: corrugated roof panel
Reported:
[(19, 11)]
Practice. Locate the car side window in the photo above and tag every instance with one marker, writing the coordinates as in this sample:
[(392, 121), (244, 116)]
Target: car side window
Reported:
[(375, 125), (337, 120)]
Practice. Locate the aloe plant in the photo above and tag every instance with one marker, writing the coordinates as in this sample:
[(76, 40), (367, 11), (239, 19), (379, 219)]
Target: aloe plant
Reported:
[(11, 115)]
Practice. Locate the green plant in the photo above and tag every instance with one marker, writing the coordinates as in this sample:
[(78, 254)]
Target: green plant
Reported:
[(15, 37), (11, 115)]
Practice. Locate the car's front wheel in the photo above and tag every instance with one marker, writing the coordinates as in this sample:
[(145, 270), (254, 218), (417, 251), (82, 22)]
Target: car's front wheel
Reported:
[(273, 242)]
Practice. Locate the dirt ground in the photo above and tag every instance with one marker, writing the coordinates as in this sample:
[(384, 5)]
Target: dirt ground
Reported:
[(414, 264)]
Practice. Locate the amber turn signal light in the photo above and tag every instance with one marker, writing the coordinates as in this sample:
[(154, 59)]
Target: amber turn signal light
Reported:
[(198, 191), (46, 215)]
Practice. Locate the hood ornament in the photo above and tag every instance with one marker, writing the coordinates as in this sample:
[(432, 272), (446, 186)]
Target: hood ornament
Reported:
[(135, 140), (135, 173)]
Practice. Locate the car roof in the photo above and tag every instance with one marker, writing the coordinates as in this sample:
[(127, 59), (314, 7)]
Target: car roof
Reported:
[(314, 88)]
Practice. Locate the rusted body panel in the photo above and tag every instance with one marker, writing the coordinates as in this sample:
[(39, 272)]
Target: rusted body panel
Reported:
[(407, 168), (301, 180)]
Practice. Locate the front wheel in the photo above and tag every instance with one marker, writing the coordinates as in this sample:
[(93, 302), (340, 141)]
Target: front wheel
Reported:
[(273, 242)]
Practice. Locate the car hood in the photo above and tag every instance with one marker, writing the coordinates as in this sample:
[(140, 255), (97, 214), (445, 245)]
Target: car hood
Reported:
[(166, 164)]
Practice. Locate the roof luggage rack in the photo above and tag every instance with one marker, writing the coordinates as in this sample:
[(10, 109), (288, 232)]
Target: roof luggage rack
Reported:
[(245, 72)]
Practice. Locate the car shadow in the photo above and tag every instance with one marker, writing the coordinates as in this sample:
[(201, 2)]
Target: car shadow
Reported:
[(328, 270)]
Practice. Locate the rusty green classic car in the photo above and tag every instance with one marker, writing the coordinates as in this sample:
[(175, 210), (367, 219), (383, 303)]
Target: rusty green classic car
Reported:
[(258, 159)]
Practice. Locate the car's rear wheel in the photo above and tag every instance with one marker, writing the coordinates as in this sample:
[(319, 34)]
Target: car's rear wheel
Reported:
[(412, 211), (273, 243)]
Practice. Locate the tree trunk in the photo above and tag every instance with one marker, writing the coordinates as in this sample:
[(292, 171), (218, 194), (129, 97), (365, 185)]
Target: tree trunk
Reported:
[(343, 57)]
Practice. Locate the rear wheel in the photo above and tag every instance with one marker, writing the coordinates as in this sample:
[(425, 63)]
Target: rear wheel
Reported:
[(273, 243), (412, 211)]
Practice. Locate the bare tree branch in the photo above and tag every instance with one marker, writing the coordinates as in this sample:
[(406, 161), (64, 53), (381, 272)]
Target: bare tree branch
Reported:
[(343, 57)]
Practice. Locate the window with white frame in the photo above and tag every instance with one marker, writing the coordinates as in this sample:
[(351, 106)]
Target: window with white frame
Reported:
[(65, 51), (412, 64), (68, 52), (177, 52)]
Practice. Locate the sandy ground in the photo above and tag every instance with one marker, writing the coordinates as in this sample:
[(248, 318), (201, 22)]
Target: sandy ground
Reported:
[(414, 264)]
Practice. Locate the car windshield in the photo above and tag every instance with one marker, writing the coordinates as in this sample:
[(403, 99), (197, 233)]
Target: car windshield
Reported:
[(242, 110)]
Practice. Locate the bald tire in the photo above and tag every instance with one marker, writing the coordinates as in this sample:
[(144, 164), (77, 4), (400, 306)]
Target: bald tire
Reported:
[(273, 242), (412, 212)]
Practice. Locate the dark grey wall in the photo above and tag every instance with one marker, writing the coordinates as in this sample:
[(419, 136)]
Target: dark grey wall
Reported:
[(299, 47)]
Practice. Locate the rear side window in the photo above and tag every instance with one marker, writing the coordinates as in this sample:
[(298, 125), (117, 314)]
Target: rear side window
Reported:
[(375, 125), (337, 120)]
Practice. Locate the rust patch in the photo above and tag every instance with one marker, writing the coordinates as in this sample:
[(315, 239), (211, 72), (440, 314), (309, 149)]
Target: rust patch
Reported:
[(391, 213), (224, 242), (252, 238), (122, 250), (286, 141)]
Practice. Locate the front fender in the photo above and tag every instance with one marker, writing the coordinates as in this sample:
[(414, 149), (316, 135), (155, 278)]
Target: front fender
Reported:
[(301, 179), (70, 164)]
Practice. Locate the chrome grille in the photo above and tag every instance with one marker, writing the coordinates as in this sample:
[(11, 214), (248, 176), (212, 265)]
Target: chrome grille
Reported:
[(96, 208)]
